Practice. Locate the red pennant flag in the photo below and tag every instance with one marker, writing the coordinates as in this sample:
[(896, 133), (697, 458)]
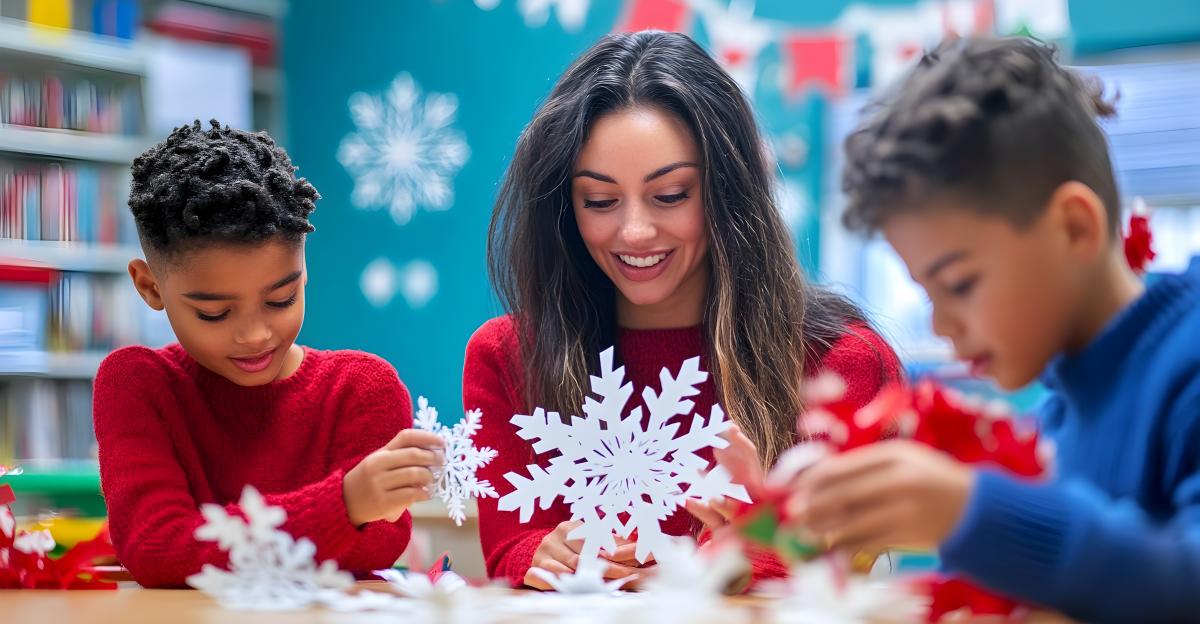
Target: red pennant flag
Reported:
[(817, 59), (668, 15)]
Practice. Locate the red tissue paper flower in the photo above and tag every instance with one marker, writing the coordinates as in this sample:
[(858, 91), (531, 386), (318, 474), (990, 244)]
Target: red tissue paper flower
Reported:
[(971, 431), (25, 564), (1139, 242)]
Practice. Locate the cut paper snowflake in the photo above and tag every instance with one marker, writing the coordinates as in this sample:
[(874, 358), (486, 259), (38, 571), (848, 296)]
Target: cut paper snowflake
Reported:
[(572, 14), (455, 482), (817, 593), (416, 281), (588, 578), (405, 152), (684, 567), (420, 586), (687, 585), (616, 475), (269, 570)]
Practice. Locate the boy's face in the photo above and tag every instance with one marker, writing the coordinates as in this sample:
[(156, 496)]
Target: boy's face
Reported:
[(236, 309), (1005, 297)]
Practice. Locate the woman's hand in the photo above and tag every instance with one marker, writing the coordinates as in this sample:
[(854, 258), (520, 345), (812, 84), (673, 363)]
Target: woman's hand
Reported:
[(741, 459), (559, 555)]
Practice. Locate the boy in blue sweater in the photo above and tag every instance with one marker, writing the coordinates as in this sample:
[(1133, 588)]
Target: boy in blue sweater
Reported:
[(988, 173)]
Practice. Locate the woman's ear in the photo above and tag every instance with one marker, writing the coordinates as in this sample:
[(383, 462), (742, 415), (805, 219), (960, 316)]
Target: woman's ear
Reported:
[(146, 283)]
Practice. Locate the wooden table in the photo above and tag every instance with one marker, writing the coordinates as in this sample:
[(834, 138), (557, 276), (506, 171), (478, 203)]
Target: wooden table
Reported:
[(134, 605)]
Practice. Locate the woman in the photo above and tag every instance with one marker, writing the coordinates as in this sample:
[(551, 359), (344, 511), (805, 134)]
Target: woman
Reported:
[(638, 212)]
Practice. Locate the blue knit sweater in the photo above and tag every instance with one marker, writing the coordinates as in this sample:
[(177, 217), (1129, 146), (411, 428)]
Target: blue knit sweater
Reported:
[(1116, 535)]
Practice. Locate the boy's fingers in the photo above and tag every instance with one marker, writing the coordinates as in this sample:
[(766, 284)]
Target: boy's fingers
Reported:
[(830, 472), (830, 508), (417, 438), (406, 477), (412, 456), (873, 526)]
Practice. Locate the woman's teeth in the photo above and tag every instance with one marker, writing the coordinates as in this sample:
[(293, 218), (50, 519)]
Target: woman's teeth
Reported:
[(641, 263)]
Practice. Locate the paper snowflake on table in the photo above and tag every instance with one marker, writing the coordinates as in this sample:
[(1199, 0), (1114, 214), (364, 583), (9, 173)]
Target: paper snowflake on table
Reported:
[(816, 593), (611, 466), (405, 152), (269, 570), (456, 481)]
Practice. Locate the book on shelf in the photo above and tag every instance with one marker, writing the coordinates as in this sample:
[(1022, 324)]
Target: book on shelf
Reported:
[(46, 421), (68, 202), (66, 101)]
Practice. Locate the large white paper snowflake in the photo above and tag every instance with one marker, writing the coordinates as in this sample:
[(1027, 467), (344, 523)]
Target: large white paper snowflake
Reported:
[(455, 482), (269, 570), (405, 152), (611, 466)]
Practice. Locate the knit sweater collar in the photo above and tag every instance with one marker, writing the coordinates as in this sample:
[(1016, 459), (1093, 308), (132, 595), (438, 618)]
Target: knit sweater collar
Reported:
[(1097, 366), (213, 384)]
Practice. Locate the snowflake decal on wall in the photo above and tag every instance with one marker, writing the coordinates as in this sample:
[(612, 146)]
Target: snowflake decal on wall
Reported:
[(612, 467), (572, 14), (405, 151), (456, 481), (269, 570)]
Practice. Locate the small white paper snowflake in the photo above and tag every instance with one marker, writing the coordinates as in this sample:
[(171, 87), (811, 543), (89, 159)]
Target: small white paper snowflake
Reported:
[(414, 585), (455, 482), (815, 595), (610, 466), (587, 579), (269, 570), (405, 152), (687, 585)]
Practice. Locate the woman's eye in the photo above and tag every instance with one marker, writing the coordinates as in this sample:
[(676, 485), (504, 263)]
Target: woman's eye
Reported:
[(674, 198), (598, 204)]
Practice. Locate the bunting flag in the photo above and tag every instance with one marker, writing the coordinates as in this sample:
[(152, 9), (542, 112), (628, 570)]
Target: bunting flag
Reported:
[(668, 15), (820, 60)]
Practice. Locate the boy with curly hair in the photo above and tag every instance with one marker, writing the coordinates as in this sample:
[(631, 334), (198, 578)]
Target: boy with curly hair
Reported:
[(323, 434), (989, 175)]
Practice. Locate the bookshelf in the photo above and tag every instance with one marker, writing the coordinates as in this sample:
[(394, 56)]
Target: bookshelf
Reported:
[(83, 50), (71, 145), (64, 180)]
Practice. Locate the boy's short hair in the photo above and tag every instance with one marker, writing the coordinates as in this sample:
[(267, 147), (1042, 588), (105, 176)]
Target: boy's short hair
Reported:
[(217, 186), (995, 124)]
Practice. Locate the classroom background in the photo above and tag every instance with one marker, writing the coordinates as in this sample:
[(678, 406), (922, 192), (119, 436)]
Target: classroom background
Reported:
[(404, 115)]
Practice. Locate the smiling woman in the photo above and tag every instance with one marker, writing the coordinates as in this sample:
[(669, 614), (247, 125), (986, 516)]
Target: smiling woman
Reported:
[(637, 212)]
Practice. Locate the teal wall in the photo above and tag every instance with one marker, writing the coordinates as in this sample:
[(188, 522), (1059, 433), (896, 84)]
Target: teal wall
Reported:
[(500, 69)]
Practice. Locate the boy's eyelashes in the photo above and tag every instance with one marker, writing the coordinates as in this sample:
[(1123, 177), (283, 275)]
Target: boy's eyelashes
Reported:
[(210, 317), (963, 287), (213, 318)]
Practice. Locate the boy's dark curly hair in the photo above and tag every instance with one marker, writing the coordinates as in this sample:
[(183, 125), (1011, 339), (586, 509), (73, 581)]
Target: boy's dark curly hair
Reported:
[(994, 124), (217, 185)]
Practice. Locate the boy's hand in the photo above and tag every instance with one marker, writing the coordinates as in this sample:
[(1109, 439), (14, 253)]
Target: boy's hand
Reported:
[(559, 555), (896, 493), (389, 480)]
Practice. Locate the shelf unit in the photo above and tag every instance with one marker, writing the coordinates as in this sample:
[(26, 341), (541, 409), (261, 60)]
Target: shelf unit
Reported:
[(39, 50), (77, 49), (82, 257)]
